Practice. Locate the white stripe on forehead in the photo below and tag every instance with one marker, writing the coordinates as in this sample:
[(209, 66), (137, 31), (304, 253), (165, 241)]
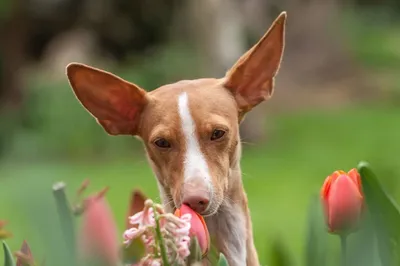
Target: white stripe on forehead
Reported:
[(195, 165)]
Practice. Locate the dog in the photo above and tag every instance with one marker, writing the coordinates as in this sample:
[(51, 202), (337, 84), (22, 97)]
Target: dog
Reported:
[(190, 130)]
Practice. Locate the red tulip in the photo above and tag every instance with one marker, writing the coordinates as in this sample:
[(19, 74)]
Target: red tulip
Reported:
[(343, 201), (198, 227), (98, 235)]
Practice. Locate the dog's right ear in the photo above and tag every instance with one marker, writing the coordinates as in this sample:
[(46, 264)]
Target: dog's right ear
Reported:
[(251, 79), (115, 103)]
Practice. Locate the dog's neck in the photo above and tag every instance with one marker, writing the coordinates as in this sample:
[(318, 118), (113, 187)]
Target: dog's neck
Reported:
[(230, 228)]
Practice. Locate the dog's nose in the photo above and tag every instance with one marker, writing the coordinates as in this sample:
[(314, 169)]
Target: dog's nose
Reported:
[(196, 195), (197, 203)]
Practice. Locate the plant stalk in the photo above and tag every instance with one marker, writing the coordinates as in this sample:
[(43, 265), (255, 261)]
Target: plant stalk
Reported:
[(343, 244), (163, 251), (65, 216)]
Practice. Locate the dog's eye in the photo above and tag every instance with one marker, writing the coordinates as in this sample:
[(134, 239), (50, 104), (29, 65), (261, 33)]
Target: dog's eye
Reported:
[(217, 134), (162, 143)]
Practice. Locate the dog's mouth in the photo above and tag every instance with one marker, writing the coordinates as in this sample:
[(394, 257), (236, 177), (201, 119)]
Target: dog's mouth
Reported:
[(210, 211)]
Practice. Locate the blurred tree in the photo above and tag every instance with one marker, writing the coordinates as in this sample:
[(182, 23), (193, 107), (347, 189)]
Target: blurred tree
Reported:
[(13, 28), (219, 32), (12, 50), (316, 63), (317, 69)]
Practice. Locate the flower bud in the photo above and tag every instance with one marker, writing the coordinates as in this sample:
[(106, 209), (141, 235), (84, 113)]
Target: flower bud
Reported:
[(343, 201), (98, 235), (198, 227)]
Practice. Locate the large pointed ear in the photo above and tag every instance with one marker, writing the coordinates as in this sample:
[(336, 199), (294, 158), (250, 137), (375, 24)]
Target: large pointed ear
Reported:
[(251, 79), (115, 103)]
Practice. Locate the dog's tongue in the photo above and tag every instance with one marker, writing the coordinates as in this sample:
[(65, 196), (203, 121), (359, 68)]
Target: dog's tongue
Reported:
[(198, 227)]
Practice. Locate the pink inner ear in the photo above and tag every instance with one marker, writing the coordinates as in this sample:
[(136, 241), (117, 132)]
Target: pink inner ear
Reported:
[(251, 79), (114, 102)]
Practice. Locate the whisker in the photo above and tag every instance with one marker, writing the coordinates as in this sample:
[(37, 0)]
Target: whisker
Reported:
[(230, 200)]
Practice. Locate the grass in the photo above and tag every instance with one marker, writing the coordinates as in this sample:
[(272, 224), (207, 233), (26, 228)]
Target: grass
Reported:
[(280, 177)]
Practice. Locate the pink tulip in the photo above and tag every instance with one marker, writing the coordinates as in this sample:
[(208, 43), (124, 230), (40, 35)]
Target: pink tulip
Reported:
[(98, 235), (198, 227)]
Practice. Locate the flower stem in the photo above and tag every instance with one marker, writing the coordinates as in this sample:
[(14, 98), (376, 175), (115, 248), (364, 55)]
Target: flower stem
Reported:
[(66, 218), (343, 244), (160, 239)]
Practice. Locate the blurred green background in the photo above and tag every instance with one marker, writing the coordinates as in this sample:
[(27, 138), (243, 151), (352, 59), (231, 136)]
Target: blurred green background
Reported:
[(336, 102)]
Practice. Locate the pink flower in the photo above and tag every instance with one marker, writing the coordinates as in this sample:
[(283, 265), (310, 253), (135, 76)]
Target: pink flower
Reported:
[(136, 204), (143, 221), (174, 232)]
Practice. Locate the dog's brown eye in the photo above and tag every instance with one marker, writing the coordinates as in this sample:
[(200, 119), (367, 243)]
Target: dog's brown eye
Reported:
[(162, 143), (217, 134)]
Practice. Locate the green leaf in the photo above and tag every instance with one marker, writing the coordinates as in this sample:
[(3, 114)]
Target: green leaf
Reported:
[(222, 260), (385, 216), (66, 218), (213, 254), (195, 252), (38, 210), (134, 252), (315, 250), (8, 257), (362, 249), (279, 255)]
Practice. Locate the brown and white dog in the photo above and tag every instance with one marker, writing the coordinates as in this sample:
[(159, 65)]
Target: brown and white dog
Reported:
[(190, 130)]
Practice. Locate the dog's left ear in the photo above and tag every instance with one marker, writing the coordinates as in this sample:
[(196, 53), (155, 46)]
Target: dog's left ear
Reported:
[(116, 104), (251, 79)]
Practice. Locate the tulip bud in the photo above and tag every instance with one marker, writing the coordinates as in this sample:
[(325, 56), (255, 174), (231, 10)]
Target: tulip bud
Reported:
[(98, 235), (343, 201), (198, 227), (24, 256)]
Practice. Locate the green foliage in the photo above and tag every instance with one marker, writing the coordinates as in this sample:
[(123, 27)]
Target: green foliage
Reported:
[(278, 196), (373, 38), (164, 66), (66, 219), (8, 258), (373, 41), (316, 244), (362, 249), (385, 216), (133, 252), (382, 220), (222, 260), (280, 255), (195, 252), (54, 123)]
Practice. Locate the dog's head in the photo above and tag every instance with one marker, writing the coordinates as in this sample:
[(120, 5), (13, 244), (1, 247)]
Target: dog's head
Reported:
[(190, 128)]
